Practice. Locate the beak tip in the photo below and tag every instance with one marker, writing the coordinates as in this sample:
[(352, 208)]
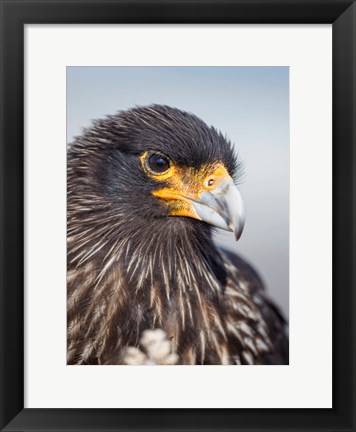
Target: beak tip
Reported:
[(238, 233), (238, 228)]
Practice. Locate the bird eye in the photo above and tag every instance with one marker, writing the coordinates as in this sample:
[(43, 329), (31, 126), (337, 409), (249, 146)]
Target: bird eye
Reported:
[(157, 163)]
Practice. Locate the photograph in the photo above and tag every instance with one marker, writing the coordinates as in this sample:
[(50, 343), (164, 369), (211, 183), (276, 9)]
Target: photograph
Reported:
[(178, 215)]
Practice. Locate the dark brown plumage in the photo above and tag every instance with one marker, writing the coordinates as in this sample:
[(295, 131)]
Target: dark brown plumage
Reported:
[(142, 186)]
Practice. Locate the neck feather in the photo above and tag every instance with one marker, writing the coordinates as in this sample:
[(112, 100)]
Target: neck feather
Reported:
[(163, 275)]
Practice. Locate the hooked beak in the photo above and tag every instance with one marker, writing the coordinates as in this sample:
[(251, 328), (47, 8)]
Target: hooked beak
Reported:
[(217, 201), (222, 207)]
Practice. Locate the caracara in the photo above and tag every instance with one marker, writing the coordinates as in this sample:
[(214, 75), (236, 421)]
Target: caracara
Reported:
[(146, 284)]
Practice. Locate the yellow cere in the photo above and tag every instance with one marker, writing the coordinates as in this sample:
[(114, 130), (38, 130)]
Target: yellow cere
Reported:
[(185, 184)]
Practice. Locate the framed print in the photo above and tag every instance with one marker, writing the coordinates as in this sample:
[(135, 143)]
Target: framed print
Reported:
[(177, 215)]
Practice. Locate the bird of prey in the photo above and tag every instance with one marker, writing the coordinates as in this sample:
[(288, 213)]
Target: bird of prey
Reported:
[(146, 188)]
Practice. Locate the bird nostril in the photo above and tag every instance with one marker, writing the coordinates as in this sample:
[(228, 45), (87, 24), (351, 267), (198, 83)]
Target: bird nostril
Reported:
[(210, 183)]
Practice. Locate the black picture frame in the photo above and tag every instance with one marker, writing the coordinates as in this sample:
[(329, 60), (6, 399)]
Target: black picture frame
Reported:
[(14, 15)]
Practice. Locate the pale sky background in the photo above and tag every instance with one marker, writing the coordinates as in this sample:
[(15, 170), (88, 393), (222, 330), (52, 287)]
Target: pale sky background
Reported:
[(248, 104)]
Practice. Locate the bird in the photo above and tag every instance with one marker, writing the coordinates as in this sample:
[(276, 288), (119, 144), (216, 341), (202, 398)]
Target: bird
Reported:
[(147, 187)]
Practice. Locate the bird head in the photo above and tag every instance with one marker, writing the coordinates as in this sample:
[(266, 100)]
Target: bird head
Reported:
[(158, 162)]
